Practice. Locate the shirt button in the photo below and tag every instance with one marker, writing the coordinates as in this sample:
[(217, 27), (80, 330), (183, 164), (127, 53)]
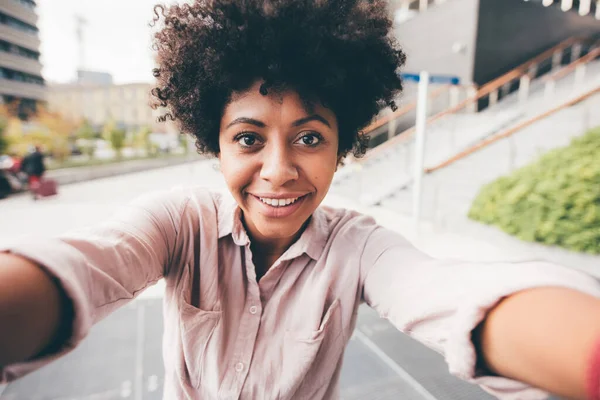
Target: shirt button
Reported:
[(239, 367), (253, 310)]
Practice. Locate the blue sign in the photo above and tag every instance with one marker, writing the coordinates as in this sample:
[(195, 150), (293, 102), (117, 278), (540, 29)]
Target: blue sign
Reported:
[(438, 79)]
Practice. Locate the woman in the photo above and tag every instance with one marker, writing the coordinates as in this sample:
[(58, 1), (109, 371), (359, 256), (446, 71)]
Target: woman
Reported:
[(262, 292)]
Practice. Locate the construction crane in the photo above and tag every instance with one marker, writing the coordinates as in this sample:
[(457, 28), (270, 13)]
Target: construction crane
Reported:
[(80, 23)]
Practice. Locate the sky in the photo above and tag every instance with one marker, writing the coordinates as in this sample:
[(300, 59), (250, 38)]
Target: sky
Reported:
[(117, 38)]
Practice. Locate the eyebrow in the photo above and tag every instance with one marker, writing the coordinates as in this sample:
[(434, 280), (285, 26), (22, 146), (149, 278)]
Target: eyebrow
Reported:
[(301, 121), (314, 117), (244, 120)]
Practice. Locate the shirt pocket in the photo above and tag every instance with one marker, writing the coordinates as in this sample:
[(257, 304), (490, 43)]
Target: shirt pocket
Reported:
[(310, 358), (197, 328)]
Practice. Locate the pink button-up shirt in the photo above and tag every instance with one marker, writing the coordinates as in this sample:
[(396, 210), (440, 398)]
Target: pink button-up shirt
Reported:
[(228, 336)]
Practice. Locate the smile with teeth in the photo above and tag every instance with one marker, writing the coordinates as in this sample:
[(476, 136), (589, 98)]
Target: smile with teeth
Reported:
[(278, 202)]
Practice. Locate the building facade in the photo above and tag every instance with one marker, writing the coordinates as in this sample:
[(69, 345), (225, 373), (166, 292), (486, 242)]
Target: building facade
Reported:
[(127, 105), (20, 67)]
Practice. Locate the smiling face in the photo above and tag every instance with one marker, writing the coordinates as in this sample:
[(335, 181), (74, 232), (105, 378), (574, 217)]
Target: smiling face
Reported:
[(278, 160)]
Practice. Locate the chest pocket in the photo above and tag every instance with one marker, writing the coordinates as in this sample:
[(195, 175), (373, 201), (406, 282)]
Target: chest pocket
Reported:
[(309, 358), (197, 328)]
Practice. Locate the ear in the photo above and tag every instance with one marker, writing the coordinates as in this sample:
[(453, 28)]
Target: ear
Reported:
[(339, 161)]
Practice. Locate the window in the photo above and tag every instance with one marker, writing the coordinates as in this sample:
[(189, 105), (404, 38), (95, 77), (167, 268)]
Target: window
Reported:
[(7, 47), (19, 76), (26, 3), (17, 24)]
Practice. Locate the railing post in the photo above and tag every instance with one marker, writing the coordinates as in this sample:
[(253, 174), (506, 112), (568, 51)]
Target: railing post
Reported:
[(566, 5), (556, 59), (493, 97), (423, 5), (575, 52), (454, 94), (472, 94), (579, 74), (420, 146), (505, 89), (585, 6), (597, 9), (392, 128), (533, 70), (549, 89), (524, 88)]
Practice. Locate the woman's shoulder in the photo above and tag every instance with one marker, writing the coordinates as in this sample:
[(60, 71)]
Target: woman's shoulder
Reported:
[(346, 222), (179, 201)]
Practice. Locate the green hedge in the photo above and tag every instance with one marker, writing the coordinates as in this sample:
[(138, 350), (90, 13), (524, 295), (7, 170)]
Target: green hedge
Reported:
[(555, 200)]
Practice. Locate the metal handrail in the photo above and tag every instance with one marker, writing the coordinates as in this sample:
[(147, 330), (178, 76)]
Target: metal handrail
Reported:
[(403, 110), (520, 72), (590, 56), (511, 131)]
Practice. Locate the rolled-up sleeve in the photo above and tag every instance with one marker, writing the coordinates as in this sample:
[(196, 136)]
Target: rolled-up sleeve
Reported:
[(440, 303), (103, 267)]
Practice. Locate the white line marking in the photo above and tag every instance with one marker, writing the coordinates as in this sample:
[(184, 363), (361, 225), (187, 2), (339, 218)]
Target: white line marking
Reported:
[(125, 389), (394, 366), (139, 355), (153, 383)]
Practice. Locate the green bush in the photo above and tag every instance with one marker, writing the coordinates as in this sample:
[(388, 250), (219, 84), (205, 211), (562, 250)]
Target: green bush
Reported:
[(555, 200)]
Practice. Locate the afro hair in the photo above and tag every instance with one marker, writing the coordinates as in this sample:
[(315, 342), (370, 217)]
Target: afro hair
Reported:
[(336, 52)]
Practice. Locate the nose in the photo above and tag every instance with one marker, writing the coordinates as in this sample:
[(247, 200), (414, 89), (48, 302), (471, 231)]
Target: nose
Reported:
[(278, 167)]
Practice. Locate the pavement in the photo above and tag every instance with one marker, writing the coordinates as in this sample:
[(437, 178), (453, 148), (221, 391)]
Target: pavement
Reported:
[(380, 363)]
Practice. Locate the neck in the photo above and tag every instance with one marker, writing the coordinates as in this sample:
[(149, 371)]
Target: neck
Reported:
[(265, 250)]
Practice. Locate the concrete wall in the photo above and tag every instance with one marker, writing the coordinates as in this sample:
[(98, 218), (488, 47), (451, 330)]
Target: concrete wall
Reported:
[(442, 39), (510, 32), (80, 174)]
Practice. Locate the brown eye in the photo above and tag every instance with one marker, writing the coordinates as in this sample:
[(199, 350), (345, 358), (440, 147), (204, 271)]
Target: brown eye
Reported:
[(246, 139), (310, 139)]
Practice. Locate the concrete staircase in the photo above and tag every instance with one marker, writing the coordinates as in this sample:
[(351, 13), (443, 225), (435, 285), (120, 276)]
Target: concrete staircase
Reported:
[(390, 170)]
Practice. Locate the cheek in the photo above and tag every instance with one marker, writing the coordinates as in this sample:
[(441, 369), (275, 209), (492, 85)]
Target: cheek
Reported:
[(236, 172), (321, 171)]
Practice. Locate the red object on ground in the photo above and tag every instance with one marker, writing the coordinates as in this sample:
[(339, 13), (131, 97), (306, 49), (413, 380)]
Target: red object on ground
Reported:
[(33, 181), (45, 187), (593, 378)]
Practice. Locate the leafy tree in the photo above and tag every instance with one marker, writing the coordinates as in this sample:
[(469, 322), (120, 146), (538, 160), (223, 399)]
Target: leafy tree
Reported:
[(87, 134), (4, 142), (115, 136), (184, 142), (53, 131), (144, 141)]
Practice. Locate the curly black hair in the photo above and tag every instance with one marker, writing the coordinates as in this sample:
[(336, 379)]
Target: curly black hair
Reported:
[(336, 52)]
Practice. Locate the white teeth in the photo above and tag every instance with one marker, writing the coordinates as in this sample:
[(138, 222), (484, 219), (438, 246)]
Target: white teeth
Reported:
[(278, 202)]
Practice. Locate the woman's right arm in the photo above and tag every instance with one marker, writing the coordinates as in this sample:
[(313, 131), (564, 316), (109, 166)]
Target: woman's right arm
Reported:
[(34, 311), (52, 290)]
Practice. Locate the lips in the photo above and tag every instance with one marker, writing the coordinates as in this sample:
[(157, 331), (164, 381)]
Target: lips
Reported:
[(278, 202), (278, 206)]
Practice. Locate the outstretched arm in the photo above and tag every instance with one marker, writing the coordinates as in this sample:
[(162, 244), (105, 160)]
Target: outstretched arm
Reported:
[(546, 337), (34, 312), (52, 290), (512, 328)]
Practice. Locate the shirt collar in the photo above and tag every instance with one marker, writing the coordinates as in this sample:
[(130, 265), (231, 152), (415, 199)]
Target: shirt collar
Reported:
[(312, 241)]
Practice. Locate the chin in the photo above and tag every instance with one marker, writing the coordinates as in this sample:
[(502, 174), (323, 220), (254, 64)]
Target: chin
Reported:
[(279, 229)]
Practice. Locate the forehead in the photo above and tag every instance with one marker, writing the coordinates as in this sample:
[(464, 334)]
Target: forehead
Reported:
[(283, 104)]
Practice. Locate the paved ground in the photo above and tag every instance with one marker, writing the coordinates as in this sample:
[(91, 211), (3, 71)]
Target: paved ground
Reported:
[(122, 356)]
